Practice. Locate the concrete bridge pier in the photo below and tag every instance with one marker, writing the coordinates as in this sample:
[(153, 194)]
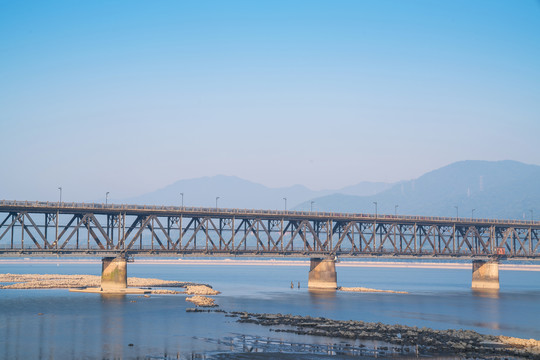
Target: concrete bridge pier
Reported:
[(322, 274), (113, 274), (113, 279), (485, 275)]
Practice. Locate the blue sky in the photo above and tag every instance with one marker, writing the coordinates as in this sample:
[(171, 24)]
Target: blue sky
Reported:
[(130, 96)]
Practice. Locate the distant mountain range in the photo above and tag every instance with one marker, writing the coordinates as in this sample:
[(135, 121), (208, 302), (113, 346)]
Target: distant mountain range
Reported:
[(234, 192), (501, 189)]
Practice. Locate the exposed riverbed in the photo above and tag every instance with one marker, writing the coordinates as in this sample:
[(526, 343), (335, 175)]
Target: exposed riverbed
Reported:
[(57, 281), (464, 343)]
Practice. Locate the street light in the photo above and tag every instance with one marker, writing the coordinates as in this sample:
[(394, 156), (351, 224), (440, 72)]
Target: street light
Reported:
[(217, 198), (532, 214), (313, 202), (457, 212), (472, 214), (395, 209), (182, 194), (285, 203), (375, 209), (106, 198), (57, 215)]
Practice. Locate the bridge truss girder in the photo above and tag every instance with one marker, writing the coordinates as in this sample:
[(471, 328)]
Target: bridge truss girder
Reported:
[(166, 234)]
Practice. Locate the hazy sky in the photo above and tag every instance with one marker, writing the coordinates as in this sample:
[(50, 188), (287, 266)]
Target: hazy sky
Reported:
[(130, 96)]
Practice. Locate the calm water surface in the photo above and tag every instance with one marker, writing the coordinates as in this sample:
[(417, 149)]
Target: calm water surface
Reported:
[(90, 326)]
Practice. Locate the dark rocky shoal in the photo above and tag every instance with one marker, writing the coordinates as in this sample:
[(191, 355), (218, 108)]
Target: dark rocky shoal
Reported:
[(465, 343)]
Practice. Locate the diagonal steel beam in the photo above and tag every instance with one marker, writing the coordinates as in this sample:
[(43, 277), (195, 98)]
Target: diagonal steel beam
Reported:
[(195, 231), (96, 238), (521, 245), (337, 246), (46, 243), (67, 227), (246, 233), (270, 239), (178, 243), (315, 235), (293, 235), (367, 243), (81, 221), (153, 232), (163, 230), (110, 244), (387, 236), (218, 233), (138, 219), (139, 232), (350, 235), (10, 226), (21, 221), (282, 233), (6, 219), (208, 237), (534, 235)]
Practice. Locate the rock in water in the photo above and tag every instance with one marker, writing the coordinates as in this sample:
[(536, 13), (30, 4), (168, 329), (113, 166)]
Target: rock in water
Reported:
[(202, 301)]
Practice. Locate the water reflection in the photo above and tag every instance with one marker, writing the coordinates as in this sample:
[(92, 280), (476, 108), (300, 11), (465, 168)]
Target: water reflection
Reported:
[(323, 299), (113, 297), (322, 294), (493, 294), (42, 334), (112, 324)]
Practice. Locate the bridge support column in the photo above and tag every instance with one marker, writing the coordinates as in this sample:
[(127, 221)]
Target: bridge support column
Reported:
[(322, 274), (113, 274), (485, 275)]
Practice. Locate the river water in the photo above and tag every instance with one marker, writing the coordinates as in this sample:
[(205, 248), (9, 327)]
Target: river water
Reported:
[(57, 324)]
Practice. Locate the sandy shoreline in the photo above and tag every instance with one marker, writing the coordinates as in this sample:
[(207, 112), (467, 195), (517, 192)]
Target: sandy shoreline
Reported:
[(275, 262)]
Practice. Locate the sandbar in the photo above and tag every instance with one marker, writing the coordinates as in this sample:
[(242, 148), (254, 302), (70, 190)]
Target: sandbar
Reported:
[(91, 283)]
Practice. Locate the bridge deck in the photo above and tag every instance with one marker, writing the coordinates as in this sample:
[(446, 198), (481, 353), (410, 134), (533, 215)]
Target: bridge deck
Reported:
[(114, 209)]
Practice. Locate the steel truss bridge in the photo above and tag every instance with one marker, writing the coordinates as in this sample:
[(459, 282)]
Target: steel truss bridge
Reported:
[(77, 229)]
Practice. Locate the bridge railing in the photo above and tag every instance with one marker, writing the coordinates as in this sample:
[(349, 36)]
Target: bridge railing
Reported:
[(220, 211)]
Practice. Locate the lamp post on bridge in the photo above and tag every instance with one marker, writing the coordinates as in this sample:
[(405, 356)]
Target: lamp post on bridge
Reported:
[(285, 203), (311, 208), (57, 216), (472, 214), (375, 224), (182, 195), (395, 210), (106, 198), (457, 212), (217, 198)]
